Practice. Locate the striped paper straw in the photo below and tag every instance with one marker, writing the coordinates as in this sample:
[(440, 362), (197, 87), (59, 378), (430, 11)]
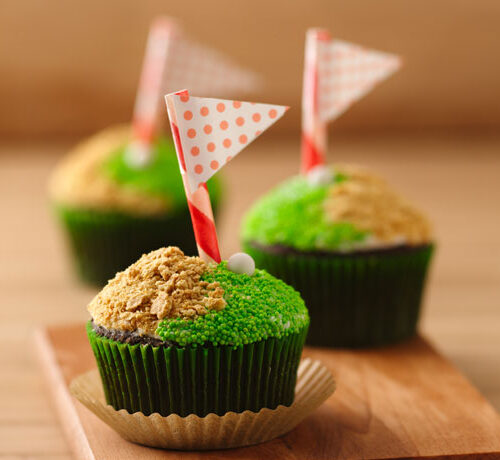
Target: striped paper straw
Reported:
[(150, 91), (198, 201), (314, 136)]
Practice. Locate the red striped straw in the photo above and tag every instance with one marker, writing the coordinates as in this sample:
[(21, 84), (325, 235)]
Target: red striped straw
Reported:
[(150, 91), (314, 130), (199, 202)]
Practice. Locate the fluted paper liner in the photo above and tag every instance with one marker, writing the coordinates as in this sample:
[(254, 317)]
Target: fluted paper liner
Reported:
[(358, 299), (314, 385)]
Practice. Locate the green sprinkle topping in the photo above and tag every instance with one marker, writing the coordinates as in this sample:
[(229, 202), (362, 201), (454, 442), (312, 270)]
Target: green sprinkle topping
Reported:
[(257, 307), (159, 178), (293, 215)]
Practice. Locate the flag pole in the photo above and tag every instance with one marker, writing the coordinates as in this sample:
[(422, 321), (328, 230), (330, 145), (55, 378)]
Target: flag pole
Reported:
[(199, 204), (314, 130), (150, 92)]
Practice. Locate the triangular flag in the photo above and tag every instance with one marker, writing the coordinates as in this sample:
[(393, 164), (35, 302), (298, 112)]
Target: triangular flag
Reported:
[(347, 72), (173, 61), (213, 131), (205, 71)]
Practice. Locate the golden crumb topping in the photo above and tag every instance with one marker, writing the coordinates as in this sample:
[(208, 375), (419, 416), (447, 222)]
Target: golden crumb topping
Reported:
[(78, 179), (366, 201), (162, 284)]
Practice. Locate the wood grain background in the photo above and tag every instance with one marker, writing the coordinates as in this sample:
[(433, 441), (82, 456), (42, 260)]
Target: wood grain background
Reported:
[(69, 68)]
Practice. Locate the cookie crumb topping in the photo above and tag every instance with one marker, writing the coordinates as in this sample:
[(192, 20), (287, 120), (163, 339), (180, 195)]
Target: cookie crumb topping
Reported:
[(162, 284), (366, 201), (80, 182)]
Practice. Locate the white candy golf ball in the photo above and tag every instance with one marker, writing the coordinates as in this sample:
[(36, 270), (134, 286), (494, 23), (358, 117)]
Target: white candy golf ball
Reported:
[(320, 175), (241, 263), (137, 155)]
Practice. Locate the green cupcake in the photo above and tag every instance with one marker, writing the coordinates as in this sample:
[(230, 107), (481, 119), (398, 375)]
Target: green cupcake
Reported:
[(174, 335), (355, 250), (113, 212)]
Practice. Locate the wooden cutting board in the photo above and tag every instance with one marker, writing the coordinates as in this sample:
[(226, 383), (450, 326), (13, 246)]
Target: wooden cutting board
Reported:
[(403, 401)]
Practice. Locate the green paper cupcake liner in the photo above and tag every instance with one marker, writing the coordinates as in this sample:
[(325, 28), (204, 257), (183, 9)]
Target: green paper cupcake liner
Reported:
[(198, 380), (104, 243), (354, 300)]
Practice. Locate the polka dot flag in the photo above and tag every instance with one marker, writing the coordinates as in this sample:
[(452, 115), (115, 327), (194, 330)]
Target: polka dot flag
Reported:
[(347, 72), (205, 70), (336, 74), (213, 131), (173, 61)]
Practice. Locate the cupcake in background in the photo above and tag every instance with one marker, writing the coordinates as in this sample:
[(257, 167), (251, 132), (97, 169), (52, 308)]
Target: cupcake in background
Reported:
[(112, 212), (356, 251), (174, 335), (119, 194)]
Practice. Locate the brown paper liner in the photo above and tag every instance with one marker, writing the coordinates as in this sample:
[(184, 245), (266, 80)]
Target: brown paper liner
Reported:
[(314, 385)]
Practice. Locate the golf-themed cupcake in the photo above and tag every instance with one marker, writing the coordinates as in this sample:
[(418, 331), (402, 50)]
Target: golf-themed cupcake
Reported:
[(356, 251), (119, 194), (174, 335), (196, 352), (112, 211), (188, 335)]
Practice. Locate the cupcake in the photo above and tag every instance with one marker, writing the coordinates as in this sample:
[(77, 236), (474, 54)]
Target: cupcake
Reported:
[(356, 251), (113, 212), (174, 335)]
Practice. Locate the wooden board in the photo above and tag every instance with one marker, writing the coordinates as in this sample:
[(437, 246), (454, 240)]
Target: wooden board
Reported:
[(404, 401)]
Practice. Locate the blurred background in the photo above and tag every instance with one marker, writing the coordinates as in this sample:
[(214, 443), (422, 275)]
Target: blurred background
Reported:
[(68, 69)]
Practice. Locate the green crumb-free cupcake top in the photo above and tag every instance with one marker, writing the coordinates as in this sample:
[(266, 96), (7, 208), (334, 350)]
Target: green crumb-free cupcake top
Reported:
[(257, 307), (354, 210), (184, 300), (96, 176)]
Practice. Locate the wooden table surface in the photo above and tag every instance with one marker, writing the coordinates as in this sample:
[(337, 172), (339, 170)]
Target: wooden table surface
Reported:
[(452, 176)]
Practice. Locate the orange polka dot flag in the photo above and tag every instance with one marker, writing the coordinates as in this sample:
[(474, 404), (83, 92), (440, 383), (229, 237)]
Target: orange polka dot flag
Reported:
[(208, 133), (336, 74), (174, 61)]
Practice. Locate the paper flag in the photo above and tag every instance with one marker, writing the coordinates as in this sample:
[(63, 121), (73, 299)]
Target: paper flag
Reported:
[(172, 61), (205, 71), (213, 131), (347, 72), (336, 74)]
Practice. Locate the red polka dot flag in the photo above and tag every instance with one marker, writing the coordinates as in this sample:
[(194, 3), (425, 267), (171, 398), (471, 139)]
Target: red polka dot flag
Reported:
[(213, 131), (208, 133), (347, 72), (173, 61), (336, 74)]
